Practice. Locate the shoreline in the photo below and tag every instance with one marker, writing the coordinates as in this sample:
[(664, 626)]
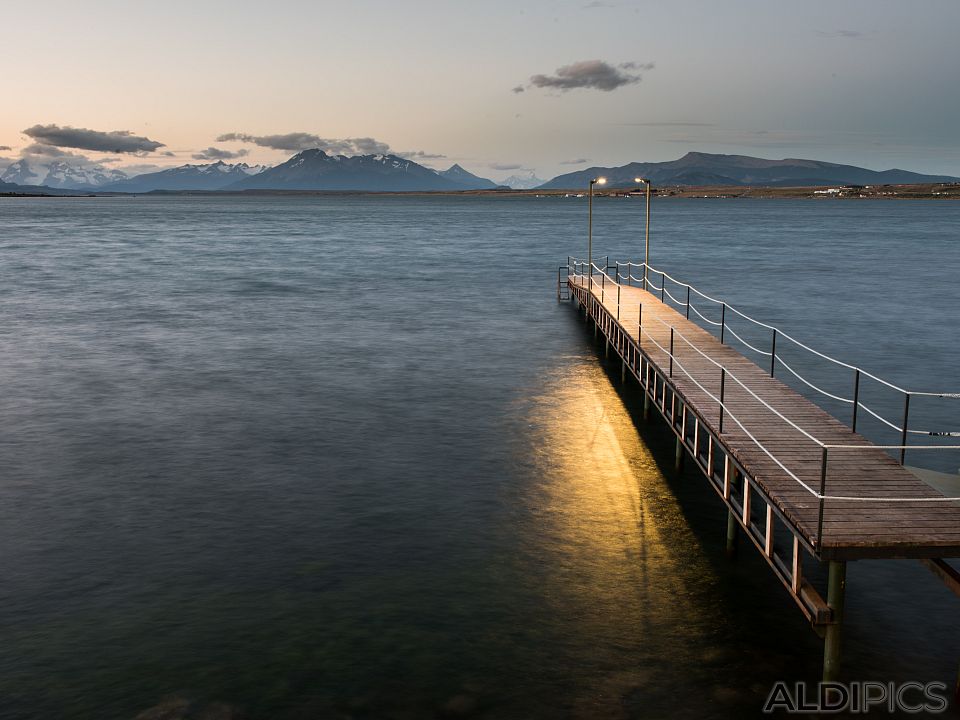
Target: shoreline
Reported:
[(926, 191)]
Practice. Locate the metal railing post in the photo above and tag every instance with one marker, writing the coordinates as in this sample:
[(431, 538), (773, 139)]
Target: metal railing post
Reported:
[(903, 432), (856, 397), (663, 285), (723, 322), (823, 491), (773, 353), (671, 351), (688, 302), (723, 382), (639, 323)]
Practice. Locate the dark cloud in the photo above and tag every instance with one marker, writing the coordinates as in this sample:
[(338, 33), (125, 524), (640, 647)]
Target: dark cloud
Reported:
[(592, 74), (506, 166), (298, 141), (292, 142), (518, 89), (115, 141), (212, 153), (578, 161), (5, 147)]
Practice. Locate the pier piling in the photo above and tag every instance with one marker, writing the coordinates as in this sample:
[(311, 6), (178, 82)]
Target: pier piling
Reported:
[(836, 590), (733, 531)]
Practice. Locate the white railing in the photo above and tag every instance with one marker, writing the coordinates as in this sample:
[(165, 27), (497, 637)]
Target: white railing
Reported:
[(597, 282)]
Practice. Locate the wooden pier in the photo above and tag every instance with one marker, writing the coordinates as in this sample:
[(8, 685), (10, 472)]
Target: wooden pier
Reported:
[(801, 485)]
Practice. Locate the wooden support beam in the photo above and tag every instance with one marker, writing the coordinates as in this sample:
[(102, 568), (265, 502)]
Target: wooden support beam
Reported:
[(796, 574), (746, 503), (768, 533)]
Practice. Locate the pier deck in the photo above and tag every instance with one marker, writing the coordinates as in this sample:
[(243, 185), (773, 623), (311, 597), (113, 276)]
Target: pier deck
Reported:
[(875, 522), (797, 482)]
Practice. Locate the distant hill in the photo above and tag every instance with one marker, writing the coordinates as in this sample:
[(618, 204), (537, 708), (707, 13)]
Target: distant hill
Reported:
[(467, 179), (212, 176), (17, 189), (316, 170), (697, 168)]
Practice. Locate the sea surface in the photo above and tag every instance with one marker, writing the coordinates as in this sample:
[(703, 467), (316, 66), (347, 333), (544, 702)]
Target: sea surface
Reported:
[(348, 457)]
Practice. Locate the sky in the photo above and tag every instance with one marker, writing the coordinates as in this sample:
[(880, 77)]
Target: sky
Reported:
[(501, 88)]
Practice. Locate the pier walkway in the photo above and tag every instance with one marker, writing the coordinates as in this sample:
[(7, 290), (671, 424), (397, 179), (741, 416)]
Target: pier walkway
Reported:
[(797, 482)]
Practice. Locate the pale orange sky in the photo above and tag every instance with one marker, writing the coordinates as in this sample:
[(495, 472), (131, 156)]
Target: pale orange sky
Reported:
[(870, 83)]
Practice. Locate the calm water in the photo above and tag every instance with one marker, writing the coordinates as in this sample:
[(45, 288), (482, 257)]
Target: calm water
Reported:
[(318, 458)]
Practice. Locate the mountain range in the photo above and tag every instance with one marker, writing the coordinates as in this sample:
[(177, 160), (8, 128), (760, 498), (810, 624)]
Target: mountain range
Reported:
[(698, 168), (319, 171), (316, 170), (60, 174), (212, 176)]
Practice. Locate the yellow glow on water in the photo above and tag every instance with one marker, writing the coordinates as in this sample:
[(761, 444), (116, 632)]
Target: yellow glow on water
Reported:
[(621, 562)]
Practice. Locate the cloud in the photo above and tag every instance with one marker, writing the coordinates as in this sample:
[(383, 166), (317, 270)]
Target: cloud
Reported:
[(518, 89), (48, 151), (293, 142), (667, 124), (115, 141), (841, 33), (299, 141), (505, 166), (212, 153), (598, 4), (420, 155), (578, 161), (5, 147), (592, 74)]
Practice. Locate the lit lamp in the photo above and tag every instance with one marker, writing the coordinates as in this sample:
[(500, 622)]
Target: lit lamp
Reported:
[(594, 181), (646, 245)]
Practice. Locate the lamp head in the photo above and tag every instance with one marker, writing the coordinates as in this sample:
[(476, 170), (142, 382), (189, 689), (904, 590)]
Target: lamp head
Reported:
[(642, 180), (599, 181)]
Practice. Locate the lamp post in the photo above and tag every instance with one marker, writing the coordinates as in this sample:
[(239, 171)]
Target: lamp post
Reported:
[(646, 245), (594, 181)]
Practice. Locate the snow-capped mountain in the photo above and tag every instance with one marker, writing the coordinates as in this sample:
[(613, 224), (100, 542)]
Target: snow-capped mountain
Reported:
[(212, 176), (523, 182), (60, 174), (466, 178), (64, 175), (316, 170), (23, 173)]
